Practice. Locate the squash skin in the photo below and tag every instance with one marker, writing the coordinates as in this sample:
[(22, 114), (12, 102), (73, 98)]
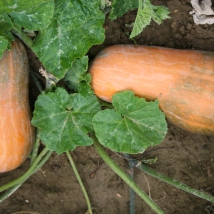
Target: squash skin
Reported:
[(17, 133), (182, 81)]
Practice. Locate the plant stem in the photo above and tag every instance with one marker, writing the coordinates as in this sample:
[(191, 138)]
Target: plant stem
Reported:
[(140, 4), (34, 153), (9, 192), (80, 182), (175, 183), (102, 4), (131, 191), (15, 187), (28, 173), (124, 176)]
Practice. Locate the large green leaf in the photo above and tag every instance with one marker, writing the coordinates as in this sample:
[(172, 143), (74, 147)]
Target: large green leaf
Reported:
[(65, 120), (77, 25), (132, 127), (33, 15)]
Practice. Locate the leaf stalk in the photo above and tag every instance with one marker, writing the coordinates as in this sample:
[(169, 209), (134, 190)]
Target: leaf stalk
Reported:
[(124, 176)]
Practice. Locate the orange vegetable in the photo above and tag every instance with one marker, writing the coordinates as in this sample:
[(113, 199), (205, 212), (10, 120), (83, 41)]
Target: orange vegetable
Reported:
[(17, 134), (182, 81)]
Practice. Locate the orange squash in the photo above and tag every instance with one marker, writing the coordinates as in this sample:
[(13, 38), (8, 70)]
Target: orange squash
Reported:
[(182, 81), (16, 131)]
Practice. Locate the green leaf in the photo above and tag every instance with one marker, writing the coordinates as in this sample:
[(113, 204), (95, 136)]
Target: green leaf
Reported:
[(64, 120), (77, 77), (120, 7), (77, 25), (160, 13), (132, 127), (5, 26), (33, 15), (3, 45), (145, 14), (85, 86), (5, 34), (76, 73), (144, 17), (5, 23)]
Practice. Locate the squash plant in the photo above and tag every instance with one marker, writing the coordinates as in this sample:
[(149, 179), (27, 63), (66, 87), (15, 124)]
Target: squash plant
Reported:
[(60, 33)]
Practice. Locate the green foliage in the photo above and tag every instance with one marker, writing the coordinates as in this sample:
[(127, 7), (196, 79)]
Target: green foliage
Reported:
[(63, 31), (33, 15), (76, 26), (132, 127), (77, 77), (120, 7), (64, 120), (5, 34), (67, 29), (3, 45), (146, 12)]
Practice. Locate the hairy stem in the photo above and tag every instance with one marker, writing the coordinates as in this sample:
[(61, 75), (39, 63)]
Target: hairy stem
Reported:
[(175, 183)]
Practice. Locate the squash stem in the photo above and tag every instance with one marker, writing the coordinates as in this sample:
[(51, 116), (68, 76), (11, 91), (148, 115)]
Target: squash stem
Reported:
[(80, 182), (102, 4), (11, 190), (131, 191), (34, 153), (34, 167), (175, 183), (124, 176), (140, 4)]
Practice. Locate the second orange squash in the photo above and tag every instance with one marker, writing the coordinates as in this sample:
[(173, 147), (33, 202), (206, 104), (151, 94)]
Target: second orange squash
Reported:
[(182, 81)]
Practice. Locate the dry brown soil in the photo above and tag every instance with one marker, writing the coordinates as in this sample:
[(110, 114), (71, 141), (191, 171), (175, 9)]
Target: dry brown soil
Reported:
[(182, 155)]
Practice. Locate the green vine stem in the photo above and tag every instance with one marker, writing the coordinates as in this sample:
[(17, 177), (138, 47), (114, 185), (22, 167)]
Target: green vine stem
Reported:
[(175, 183), (102, 4), (80, 182), (28, 173), (11, 190), (131, 191), (124, 176), (34, 152)]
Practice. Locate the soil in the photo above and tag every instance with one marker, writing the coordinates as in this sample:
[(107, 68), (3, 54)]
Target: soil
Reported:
[(183, 156)]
